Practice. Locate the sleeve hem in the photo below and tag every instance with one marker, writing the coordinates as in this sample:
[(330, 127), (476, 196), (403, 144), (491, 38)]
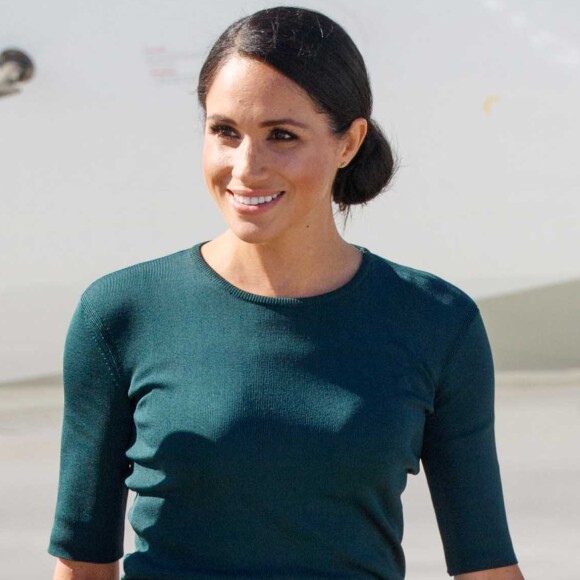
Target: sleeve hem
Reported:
[(59, 552), (500, 563)]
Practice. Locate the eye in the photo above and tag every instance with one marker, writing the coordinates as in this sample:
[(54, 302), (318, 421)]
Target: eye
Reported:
[(224, 131), (282, 135)]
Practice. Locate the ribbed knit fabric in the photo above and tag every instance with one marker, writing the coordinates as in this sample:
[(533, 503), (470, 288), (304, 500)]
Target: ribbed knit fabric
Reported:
[(272, 437)]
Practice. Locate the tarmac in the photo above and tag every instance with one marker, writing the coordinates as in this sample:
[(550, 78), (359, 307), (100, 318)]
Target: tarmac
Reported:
[(538, 441)]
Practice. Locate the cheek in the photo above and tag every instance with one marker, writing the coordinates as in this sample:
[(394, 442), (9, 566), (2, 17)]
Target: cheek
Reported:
[(313, 170), (214, 162)]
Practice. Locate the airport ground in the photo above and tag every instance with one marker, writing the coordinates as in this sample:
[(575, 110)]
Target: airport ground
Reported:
[(538, 440)]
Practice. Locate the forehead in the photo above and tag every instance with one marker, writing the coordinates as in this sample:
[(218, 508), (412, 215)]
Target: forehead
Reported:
[(248, 86)]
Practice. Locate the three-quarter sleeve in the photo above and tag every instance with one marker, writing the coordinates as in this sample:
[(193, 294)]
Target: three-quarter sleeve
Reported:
[(460, 460), (96, 432)]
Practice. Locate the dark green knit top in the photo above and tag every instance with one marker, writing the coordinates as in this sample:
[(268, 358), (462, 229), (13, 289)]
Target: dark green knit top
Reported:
[(272, 437)]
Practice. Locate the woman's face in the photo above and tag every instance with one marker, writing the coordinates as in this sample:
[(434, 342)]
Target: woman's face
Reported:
[(269, 156)]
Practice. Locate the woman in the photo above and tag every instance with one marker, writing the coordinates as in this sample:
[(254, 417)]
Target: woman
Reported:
[(266, 393)]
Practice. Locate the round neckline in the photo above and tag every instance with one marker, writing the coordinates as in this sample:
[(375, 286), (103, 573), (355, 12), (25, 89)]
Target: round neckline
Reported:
[(200, 263)]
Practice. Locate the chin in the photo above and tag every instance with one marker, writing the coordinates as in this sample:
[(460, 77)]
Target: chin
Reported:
[(252, 234)]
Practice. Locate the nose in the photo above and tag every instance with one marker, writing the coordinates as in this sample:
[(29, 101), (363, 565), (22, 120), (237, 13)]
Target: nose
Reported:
[(249, 161)]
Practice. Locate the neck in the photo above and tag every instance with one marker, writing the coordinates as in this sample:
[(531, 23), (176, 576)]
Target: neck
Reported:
[(276, 269)]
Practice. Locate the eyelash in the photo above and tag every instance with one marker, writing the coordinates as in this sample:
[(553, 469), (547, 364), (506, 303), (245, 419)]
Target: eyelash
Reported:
[(289, 136), (221, 131), (227, 132)]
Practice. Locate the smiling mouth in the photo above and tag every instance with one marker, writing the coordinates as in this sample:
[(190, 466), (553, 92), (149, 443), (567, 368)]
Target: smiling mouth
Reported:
[(247, 200)]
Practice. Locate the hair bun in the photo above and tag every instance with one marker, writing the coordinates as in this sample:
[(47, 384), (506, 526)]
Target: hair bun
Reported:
[(369, 172)]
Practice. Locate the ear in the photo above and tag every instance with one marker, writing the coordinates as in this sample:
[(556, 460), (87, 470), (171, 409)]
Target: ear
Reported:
[(352, 139)]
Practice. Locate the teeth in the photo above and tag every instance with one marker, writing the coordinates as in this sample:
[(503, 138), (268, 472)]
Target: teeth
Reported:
[(255, 200)]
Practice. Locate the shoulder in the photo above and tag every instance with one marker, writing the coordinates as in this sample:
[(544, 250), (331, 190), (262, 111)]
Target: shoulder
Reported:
[(423, 290), (425, 312), (116, 295)]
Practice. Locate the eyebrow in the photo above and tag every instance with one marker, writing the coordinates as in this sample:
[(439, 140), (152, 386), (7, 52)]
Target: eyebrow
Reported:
[(269, 123)]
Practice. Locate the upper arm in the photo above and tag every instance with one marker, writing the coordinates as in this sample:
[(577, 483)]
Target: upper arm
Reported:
[(460, 460), (96, 432)]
